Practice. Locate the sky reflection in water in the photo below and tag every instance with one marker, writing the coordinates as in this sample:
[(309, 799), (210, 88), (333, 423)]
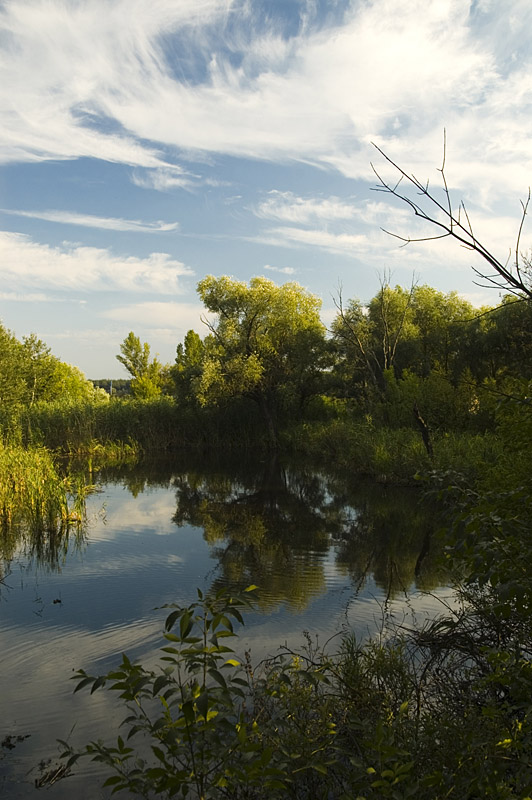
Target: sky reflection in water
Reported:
[(327, 556)]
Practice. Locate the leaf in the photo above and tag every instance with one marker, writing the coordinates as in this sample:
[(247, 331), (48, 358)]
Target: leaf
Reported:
[(83, 683), (185, 624), (158, 684), (113, 780), (218, 677), (202, 704), (97, 683), (171, 619), (188, 712), (158, 753)]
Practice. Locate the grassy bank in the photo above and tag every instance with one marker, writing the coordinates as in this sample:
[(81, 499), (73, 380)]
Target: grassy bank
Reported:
[(158, 425), (124, 430), (389, 454)]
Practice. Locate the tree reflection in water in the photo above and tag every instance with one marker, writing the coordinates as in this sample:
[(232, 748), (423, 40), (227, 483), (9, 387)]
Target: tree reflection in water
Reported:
[(276, 527), (281, 527)]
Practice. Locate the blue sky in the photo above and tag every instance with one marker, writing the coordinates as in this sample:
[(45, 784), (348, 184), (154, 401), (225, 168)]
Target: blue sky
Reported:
[(147, 143)]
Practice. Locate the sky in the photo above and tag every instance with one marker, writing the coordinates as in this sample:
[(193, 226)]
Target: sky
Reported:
[(145, 144)]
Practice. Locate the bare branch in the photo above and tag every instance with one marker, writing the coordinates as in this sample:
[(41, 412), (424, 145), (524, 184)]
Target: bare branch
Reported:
[(455, 224)]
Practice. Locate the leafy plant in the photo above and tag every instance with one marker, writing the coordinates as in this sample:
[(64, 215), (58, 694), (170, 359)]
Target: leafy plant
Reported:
[(189, 717)]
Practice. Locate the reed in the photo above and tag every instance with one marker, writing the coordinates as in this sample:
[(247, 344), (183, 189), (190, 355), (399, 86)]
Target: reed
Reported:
[(146, 426), (38, 506)]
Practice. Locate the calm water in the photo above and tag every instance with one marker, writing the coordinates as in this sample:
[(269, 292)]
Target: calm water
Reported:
[(328, 554)]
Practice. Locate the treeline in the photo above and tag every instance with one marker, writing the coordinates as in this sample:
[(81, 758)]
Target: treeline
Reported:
[(268, 373), (405, 349)]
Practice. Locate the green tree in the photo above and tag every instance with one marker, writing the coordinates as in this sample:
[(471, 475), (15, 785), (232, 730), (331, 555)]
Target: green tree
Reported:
[(267, 343), (390, 316), (369, 337), (188, 367), (443, 323), (12, 379), (40, 368), (146, 373)]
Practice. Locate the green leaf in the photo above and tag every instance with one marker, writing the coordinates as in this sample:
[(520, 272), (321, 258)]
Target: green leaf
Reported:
[(218, 677), (185, 624), (188, 712), (113, 780), (158, 684), (202, 704), (171, 619), (97, 683), (158, 753), (83, 683)]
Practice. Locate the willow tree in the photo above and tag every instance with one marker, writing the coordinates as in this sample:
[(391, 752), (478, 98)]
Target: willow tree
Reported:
[(265, 341)]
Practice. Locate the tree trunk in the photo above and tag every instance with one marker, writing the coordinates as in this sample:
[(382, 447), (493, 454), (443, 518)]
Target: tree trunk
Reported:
[(425, 433), (269, 418)]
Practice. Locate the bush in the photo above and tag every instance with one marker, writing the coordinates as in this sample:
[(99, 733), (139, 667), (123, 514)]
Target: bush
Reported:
[(416, 716)]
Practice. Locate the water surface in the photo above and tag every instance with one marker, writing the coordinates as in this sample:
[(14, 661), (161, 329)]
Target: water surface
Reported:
[(329, 554)]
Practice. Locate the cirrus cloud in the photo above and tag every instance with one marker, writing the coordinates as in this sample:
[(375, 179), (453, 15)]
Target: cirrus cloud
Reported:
[(91, 221)]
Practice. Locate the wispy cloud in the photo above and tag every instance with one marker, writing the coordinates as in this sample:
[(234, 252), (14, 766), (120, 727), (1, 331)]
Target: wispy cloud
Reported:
[(26, 263), (288, 207), (319, 96), (90, 221), (341, 243), (163, 318), (25, 297), (164, 179)]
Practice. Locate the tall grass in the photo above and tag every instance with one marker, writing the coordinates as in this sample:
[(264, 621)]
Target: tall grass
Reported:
[(394, 454), (38, 507), (158, 425), (123, 430)]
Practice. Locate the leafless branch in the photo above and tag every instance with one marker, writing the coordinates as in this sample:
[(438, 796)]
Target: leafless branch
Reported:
[(455, 224)]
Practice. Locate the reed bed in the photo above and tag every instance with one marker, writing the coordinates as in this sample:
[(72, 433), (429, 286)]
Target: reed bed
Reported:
[(131, 427), (34, 497)]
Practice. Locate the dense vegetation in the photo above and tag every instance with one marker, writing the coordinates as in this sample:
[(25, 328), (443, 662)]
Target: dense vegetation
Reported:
[(416, 381)]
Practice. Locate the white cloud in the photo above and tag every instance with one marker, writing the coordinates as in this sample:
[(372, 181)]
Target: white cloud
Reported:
[(25, 297), (164, 179), (288, 207), (164, 319), (108, 81), (282, 270), (341, 243), (25, 263), (90, 221)]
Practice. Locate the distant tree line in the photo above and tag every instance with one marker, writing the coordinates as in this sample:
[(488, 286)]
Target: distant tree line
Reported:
[(115, 387)]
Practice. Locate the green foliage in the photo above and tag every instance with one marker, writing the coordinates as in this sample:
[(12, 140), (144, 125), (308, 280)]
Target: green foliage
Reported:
[(196, 735), (29, 373), (146, 373), (267, 343), (39, 508), (406, 717), (417, 346), (188, 367)]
